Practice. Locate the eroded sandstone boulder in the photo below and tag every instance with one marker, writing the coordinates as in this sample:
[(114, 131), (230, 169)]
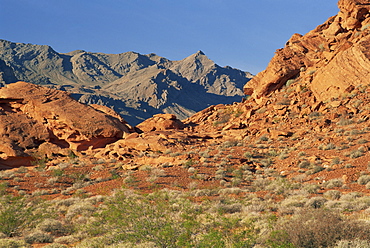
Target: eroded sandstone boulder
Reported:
[(32, 115), (332, 59), (161, 122)]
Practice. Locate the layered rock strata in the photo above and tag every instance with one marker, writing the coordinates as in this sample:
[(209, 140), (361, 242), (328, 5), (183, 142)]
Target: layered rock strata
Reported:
[(332, 59)]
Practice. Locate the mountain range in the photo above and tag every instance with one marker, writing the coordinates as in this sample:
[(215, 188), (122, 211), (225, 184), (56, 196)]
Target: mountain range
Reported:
[(134, 85)]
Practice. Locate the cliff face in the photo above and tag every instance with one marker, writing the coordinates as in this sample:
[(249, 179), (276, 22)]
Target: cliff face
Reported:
[(330, 60)]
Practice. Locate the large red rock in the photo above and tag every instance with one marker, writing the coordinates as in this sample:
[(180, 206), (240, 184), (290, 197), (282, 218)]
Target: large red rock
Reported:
[(347, 70), (31, 115), (161, 122), (331, 60)]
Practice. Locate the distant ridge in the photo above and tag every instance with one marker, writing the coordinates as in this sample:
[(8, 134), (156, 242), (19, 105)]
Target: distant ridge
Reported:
[(136, 86)]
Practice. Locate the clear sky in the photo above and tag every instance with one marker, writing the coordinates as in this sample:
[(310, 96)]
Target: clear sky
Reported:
[(240, 33)]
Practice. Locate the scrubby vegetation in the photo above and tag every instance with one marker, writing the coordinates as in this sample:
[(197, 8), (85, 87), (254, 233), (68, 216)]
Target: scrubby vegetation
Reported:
[(288, 216)]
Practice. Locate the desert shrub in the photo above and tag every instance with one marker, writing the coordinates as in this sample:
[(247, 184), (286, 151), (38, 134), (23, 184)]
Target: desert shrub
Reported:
[(263, 138), (168, 222), (362, 141), (52, 226), (283, 155), (367, 185), (228, 191), (335, 160), (351, 196), (236, 182), (344, 122), (82, 208), (69, 239), (266, 162), (300, 178), (304, 164), (293, 201), (53, 180), (189, 163), (248, 155), (38, 237), (139, 220), (16, 214), (330, 146), (316, 202), (333, 194), (353, 244), (356, 153), (364, 179), (3, 187), (57, 172), (39, 192), (229, 143), (333, 183), (316, 228), (228, 208), (220, 174), (55, 245), (22, 169), (95, 242), (12, 243), (260, 184), (281, 186), (315, 170)]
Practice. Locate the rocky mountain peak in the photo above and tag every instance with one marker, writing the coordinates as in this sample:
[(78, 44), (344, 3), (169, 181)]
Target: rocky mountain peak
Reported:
[(193, 67), (200, 52)]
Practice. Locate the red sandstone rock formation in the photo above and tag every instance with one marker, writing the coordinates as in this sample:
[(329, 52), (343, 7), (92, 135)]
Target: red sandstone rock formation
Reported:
[(331, 59), (32, 115), (160, 122)]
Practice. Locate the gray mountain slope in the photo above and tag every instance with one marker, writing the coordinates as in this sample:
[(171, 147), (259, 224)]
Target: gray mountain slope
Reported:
[(136, 86)]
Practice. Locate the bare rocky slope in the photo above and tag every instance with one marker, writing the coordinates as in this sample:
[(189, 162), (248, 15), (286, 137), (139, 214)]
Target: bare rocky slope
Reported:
[(288, 124), (136, 86), (331, 59)]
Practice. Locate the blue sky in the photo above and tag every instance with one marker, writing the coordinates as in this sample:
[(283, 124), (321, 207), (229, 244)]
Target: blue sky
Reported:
[(240, 33)]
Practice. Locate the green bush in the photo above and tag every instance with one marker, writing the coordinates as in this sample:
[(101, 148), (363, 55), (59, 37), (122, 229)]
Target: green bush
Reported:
[(168, 222), (141, 219), (16, 214)]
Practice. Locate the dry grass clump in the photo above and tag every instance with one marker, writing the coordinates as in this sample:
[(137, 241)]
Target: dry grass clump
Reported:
[(334, 183), (316, 228), (12, 243), (364, 179), (38, 237)]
